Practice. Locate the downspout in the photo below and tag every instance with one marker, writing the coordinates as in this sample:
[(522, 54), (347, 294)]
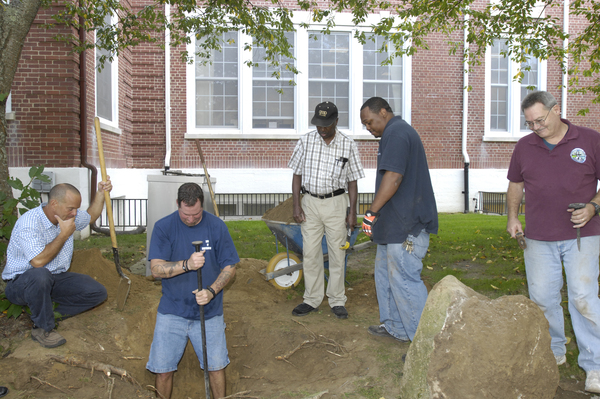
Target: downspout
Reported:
[(167, 89), (83, 116), (565, 75), (465, 116)]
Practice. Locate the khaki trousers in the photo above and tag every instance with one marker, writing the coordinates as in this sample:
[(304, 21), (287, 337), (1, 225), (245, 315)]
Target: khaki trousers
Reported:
[(324, 216)]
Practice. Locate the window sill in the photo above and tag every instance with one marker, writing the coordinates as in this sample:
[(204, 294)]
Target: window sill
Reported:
[(11, 116), (110, 128), (505, 139), (263, 136)]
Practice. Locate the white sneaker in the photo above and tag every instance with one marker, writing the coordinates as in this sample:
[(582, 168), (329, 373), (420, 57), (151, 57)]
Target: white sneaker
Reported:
[(560, 359), (592, 382)]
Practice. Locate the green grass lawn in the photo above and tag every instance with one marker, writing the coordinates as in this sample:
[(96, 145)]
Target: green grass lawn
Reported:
[(475, 248)]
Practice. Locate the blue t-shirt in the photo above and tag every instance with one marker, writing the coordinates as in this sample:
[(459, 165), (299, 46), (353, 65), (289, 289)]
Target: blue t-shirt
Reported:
[(172, 241), (412, 208)]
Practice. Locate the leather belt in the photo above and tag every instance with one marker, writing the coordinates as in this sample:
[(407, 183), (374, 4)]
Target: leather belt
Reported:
[(333, 194)]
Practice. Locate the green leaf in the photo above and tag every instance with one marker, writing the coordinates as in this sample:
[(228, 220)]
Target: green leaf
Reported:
[(14, 311), (15, 183)]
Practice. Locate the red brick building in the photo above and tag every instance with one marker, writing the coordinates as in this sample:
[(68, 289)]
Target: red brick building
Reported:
[(152, 110)]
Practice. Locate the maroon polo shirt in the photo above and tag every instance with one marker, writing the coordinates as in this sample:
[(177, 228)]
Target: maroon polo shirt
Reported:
[(554, 179)]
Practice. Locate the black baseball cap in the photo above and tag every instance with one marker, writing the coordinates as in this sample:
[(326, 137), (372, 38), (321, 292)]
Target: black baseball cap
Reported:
[(325, 114)]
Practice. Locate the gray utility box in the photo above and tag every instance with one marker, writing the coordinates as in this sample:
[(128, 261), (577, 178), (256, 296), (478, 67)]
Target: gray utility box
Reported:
[(162, 199)]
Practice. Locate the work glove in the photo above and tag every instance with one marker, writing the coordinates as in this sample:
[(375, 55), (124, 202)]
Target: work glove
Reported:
[(369, 221)]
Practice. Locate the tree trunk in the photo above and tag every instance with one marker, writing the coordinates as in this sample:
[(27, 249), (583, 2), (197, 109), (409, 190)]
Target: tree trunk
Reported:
[(16, 19)]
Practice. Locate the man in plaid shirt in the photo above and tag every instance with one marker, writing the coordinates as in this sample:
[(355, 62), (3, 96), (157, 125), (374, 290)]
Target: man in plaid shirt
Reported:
[(326, 166), (39, 256)]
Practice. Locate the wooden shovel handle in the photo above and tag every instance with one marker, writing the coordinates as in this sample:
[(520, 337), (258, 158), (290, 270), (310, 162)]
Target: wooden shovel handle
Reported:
[(109, 214), (212, 193)]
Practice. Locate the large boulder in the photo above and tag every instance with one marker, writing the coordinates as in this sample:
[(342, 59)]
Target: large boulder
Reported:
[(468, 346)]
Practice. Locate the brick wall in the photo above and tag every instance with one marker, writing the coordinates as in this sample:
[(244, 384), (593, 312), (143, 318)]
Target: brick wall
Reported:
[(47, 105)]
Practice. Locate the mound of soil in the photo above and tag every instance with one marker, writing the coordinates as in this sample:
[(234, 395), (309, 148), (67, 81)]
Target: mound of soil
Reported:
[(273, 354), (283, 212)]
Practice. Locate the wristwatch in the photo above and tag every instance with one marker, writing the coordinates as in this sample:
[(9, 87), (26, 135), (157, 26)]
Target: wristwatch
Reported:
[(370, 213), (596, 207)]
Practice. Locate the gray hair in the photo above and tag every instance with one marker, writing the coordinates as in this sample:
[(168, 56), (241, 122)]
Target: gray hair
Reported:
[(542, 97)]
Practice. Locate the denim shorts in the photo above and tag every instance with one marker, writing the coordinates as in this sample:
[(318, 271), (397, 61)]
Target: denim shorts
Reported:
[(170, 339)]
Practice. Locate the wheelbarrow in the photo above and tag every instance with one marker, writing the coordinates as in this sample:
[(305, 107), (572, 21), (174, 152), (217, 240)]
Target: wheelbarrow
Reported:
[(284, 270)]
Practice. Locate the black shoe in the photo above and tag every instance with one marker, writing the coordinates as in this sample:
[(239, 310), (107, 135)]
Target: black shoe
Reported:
[(340, 312), (380, 331), (303, 309), (3, 391)]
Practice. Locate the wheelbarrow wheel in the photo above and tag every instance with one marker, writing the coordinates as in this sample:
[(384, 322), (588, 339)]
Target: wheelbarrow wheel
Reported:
[(286, 281)]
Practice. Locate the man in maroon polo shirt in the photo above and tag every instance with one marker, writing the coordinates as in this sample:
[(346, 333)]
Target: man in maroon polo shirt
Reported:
[(556, 165)]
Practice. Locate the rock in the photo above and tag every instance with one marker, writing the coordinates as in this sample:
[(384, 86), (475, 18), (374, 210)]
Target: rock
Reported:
[(468, 346)]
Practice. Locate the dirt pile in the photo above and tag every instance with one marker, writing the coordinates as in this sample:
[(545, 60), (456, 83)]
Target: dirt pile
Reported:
[(273, 355), (283, 212)]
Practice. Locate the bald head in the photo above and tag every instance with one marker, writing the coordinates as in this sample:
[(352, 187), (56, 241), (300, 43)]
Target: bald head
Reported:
[(59, 192)]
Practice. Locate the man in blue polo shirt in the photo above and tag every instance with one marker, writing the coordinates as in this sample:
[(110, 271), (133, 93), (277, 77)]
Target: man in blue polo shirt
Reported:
[(401, 217), (559, 164), (173, 258)]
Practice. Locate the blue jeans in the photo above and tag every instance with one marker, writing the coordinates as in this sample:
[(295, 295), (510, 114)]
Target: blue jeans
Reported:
[(38, 288), (544, 261), (171, 336), (400, 291)]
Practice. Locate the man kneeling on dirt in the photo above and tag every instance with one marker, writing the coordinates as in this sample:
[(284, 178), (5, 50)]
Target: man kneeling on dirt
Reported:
[(173, 258), (39, 256)]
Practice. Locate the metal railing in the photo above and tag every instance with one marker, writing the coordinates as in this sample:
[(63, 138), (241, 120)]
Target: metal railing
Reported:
[(490, 202), (130, 214)]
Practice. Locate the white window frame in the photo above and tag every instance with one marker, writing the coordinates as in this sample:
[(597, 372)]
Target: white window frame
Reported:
[(109, 125), (302, 124), (9, 114), (514, 128)]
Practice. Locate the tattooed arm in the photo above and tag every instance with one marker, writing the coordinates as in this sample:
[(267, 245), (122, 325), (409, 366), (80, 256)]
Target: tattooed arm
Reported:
[(205, 296), (165, 269)]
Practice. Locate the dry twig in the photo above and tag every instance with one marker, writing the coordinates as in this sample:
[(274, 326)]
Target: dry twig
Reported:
[(316, 340), (47, 383), (93, 365), (153, 389), (240, 395)]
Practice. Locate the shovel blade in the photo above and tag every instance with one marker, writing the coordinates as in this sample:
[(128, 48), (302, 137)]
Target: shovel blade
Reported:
[(123, 292)]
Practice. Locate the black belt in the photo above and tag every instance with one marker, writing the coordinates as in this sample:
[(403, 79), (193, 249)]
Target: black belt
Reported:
[(333, 194)]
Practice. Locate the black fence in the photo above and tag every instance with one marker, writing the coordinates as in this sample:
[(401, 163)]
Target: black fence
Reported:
[(495, 203), (129, 214)]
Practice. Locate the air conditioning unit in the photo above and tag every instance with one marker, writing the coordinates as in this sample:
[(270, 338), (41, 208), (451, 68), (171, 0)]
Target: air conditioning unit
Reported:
[(41, 186)]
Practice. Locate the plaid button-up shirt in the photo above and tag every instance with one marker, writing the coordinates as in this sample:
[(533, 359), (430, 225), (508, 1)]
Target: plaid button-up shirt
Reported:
[(326, 168), (32, 232)]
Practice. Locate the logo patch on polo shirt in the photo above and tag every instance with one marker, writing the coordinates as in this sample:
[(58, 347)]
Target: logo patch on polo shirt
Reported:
[(578, 155)]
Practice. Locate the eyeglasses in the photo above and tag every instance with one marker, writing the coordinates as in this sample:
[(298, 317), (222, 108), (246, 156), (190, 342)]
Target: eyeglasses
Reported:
[(540, 122)]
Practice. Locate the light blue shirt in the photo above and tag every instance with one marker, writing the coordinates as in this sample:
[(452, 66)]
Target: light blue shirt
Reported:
[(32, 232)]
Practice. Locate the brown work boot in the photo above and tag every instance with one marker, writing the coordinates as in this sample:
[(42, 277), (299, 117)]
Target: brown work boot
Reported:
[(50, 339)]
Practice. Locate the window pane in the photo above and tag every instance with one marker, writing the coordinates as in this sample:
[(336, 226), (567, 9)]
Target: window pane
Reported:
[(329, 72), (217, 86), (530, 78), (499, 87), (104, 78), (273, 99), (103, 87), (383, 81)]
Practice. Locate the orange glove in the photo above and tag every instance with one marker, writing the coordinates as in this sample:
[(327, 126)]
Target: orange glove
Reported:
[(368, 222)]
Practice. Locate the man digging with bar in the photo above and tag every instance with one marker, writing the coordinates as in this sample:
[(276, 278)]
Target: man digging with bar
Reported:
[(173, 258)]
